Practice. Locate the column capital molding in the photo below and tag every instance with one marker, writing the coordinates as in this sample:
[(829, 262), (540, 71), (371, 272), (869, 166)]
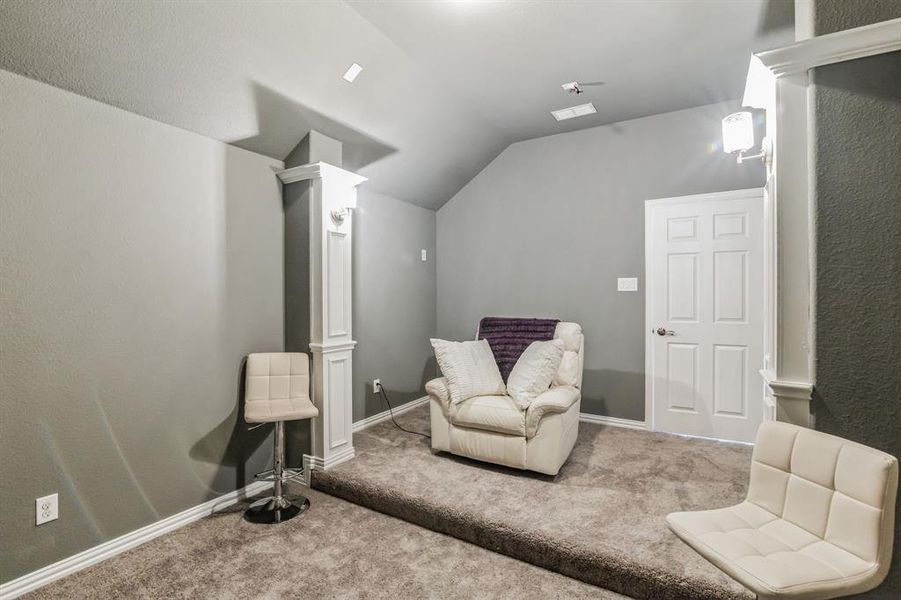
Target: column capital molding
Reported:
[(319, 170), (821, 50)]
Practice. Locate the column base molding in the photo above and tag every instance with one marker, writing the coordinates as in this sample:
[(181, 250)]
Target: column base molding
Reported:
[(316, 463), (791, 399)]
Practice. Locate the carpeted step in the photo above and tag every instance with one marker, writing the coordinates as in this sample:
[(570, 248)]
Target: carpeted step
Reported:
[(578, 523)]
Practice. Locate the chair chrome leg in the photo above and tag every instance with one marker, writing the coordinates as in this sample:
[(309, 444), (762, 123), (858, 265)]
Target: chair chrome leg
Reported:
[(278, 507)]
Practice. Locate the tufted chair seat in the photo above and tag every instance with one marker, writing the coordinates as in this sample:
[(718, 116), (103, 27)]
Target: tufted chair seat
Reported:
[(817, 521), (495, 429)]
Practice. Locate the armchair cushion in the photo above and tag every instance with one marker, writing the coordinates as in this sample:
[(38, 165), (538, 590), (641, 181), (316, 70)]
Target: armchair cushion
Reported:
[(469, 368), (533, 372), (555, 400), (499, 414)]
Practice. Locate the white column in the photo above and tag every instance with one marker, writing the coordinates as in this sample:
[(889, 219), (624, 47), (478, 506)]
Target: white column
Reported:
[(793, 370), (788, 361), (332, 197)]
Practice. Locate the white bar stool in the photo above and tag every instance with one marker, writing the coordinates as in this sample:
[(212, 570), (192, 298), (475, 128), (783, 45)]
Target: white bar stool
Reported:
[(277, 389)]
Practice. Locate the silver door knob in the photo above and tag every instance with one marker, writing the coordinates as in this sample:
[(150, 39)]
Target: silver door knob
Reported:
[(661, 331)]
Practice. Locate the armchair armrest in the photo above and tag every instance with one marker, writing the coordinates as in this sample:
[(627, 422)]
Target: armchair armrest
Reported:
[(556, 400), (437, 389)]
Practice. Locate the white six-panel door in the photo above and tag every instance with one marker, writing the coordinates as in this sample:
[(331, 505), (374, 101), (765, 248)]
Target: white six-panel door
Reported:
[(704, 272)]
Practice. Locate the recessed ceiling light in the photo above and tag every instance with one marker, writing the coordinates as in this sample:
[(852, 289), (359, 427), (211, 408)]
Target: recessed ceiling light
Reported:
[(352, 72), (574, 111)]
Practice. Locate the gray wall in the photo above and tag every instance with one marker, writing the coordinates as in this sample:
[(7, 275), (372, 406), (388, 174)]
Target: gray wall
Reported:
[(858, 276), (296, 198), (297, 266), (394, 308), (857, 178), (139, 263), (830, 16), (547, 228)]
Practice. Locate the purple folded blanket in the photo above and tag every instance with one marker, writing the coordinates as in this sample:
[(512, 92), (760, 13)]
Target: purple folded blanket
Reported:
[(510, 336)]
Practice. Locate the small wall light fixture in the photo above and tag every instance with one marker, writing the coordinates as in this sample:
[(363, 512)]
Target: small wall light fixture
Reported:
[(738, 136)]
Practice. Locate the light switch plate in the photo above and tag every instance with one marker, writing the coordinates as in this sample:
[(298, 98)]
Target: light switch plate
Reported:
[(627, 284), (424, 254), (46, 509)]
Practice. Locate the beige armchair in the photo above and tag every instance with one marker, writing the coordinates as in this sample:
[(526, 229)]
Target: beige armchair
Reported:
[(495, 429)]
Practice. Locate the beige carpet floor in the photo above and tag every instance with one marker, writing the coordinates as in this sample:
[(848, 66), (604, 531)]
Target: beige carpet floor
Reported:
[(336, 550), (601, 519)]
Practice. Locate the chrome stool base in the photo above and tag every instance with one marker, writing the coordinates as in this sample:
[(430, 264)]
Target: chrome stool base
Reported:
[(276, 510), (278, 507)]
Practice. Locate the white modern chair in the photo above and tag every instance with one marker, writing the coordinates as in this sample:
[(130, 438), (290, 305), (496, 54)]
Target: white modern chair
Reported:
[(817, 522), (277, 389)]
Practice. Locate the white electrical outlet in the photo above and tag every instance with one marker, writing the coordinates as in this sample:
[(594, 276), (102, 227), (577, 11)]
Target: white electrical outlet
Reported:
[(424, 254), (376, 386), (46, 509), (627, 284)]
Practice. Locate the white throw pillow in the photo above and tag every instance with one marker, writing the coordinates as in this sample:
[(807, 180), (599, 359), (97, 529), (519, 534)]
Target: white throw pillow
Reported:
[(470, 369), (534, 371)]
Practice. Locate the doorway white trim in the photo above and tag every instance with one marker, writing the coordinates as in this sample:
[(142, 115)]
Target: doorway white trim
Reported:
[(648, 257)]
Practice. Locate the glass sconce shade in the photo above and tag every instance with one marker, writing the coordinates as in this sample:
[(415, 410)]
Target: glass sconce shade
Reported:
[(738, 132)]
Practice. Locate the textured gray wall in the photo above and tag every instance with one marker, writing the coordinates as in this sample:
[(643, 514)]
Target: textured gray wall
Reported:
[(857, 110), (830, 16), (858, 277), (139, 263), (394, 308), (547, 228)]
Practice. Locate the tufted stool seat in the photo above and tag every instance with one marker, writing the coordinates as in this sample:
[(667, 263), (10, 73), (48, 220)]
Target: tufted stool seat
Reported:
[(278, 388), (817, 522)]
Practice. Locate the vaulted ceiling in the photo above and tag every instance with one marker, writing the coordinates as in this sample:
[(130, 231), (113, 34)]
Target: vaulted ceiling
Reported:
[(446, 85)]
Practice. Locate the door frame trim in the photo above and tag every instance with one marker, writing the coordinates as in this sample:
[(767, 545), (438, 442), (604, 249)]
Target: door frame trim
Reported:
[(648, 289)]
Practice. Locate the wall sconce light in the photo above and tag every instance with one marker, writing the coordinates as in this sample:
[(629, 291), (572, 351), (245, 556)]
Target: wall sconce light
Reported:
[(738, 137), (339, 214)]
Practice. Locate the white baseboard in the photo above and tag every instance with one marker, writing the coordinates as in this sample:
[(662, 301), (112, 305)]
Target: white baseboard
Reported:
[(613, 421), (82, 560), (101, 552), (385, 415)]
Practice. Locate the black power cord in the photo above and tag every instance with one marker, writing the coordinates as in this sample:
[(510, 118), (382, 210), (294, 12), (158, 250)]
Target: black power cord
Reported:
[(384, 395)]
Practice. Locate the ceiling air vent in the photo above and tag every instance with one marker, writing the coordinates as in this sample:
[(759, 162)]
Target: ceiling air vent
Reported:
[(574, 111)]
